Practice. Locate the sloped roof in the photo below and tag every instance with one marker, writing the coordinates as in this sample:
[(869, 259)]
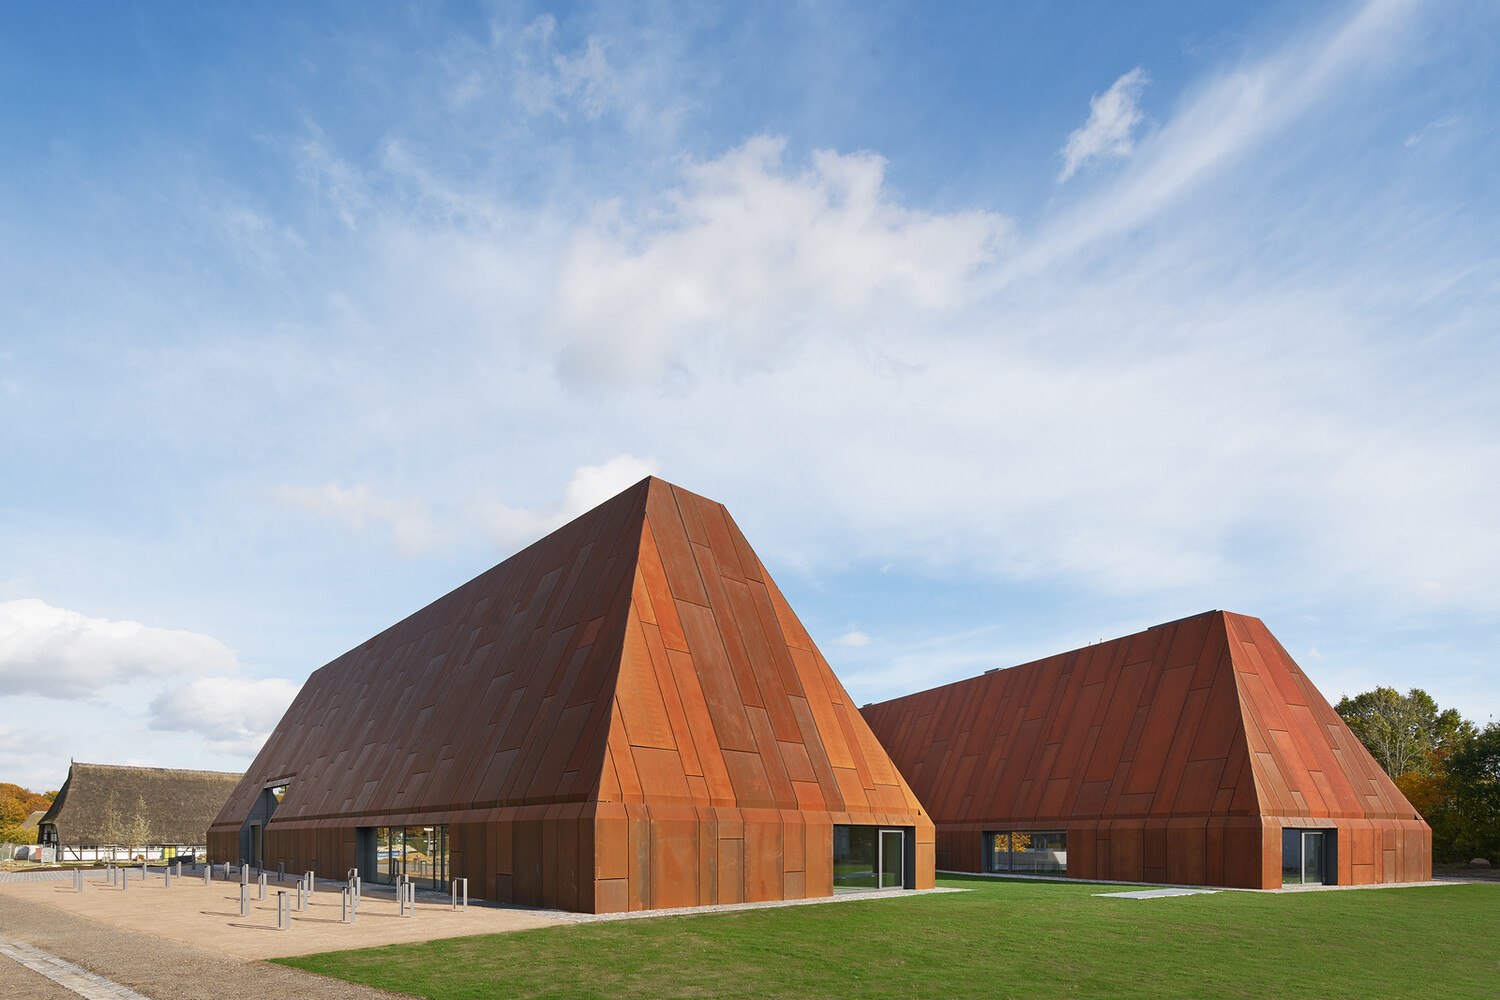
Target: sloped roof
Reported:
[(98, 804), (639, 653), (31, 821), (1204, 716)]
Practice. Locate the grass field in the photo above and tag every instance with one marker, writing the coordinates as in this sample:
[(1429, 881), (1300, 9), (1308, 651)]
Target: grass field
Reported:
[(1003, 938)]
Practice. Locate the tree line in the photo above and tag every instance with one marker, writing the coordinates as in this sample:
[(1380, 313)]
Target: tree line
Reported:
[(1448, 768), (16, 803)]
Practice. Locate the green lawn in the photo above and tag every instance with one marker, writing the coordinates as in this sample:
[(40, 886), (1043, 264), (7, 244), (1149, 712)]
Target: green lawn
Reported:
[(1003, 938)]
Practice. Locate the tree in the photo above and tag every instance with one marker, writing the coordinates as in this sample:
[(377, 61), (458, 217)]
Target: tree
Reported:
[(111, 825), (137, 830), (1402, 731), (17, 803), (1475, 772)]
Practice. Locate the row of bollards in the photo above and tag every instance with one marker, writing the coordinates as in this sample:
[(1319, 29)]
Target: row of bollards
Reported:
[(306, 886)]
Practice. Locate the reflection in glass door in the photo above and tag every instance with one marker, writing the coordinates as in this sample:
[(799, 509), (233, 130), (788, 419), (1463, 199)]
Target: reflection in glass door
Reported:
[(892, 859), (1304, 856), (1312, 857)]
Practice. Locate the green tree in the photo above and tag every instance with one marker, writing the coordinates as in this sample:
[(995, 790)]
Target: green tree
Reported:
[(1402, 731), (1475, 773)]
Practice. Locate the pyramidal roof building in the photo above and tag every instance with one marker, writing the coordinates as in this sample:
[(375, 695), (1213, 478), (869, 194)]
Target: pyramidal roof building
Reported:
[(624, 715), (1196, 752)]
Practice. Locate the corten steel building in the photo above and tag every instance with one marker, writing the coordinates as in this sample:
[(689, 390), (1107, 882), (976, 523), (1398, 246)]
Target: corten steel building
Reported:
[(625, 715), (1196, 753)]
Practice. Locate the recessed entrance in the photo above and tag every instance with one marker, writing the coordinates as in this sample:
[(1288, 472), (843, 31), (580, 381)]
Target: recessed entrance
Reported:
[(868, 857), (1307, 857)]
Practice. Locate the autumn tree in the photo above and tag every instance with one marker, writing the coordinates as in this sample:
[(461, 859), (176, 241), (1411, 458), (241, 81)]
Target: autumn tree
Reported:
[(17, 803), (1402, 731)]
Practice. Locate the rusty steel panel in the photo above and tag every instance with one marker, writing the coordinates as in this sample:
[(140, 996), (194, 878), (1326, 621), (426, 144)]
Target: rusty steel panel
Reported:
[(1178, 728), (626, 714)]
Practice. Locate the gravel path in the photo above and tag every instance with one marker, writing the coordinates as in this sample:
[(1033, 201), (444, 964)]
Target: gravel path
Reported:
[(157, 968)]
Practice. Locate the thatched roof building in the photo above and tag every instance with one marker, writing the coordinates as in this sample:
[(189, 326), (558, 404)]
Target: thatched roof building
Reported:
[(112, 804)]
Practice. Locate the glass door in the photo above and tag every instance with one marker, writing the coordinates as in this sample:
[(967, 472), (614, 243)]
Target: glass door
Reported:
[(892, 859), (1312, 857), (1305, 856)]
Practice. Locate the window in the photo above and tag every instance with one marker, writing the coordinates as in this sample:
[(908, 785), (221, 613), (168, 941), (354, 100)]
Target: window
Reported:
[(1031, 852), (418, 852), (868, 857)]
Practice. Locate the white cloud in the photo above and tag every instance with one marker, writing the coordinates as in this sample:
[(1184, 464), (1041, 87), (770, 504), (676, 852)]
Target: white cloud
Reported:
[(1110, 130), (589, 486), (556, 80), (747, 260), (411, 525), (854, 639), (60, 653), (1231, 115), (35, 759), (232, 714)]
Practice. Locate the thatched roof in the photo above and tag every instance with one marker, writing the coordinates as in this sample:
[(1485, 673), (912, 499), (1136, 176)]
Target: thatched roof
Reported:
[(31, 821), (111, 804)]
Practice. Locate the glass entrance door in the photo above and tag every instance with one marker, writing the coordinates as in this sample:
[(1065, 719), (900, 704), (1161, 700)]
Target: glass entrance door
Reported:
[(1304, 856), (1312, 857), (892, 859)]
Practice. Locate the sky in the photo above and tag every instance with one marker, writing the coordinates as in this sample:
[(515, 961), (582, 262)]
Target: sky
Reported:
[(1000, 329)]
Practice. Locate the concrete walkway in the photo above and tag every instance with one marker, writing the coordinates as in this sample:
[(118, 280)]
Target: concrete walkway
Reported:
[(72, 978)]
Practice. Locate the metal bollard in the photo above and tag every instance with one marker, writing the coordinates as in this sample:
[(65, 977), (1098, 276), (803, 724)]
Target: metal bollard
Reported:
[(124, 879), (208, 874), (166, 878), (280, 871), (77, 879), (312, 883), (346, 911), (144, 871), (461, 884), (178, 873), (283, 910), (244, 900), (244, 874), (260, 882), (411, 898), (401, 899), (301, 898)]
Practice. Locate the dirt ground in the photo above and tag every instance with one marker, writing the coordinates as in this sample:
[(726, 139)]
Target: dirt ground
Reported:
[(190, 911), (189, 941)]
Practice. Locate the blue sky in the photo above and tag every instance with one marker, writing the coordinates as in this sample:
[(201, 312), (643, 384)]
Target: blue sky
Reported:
[(1000, 329)]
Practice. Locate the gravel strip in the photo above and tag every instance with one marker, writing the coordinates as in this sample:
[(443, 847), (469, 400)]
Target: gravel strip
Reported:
[(152, 966)]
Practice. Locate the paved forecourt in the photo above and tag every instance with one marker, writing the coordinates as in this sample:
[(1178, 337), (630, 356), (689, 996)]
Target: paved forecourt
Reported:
[(209, 915)]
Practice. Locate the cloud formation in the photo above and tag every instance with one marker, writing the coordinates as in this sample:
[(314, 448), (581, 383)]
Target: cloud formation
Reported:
[(411, 525), (231, 714), (58, 653), (748, 259), (1110, 130), (589, 486)]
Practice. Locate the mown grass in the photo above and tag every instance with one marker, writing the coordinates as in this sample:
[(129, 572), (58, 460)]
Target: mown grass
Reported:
[(1001, 939)]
